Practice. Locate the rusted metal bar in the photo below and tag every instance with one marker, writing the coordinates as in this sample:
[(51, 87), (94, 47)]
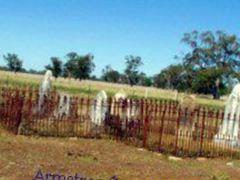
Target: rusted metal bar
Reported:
[(146, 125), (202, 131), (177, 130), (161, 129)]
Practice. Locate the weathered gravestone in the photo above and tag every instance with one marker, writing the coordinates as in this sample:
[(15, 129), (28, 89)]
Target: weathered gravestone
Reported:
[(146, 93), (44, 91), (188, 103), (63, 110), (120, 95), (118, 105), (41, 107), (126, 109), (99, 108), (176, 94), (228, 133)]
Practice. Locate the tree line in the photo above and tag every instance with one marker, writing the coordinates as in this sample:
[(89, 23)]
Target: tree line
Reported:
[(81, 67), (211, 65)]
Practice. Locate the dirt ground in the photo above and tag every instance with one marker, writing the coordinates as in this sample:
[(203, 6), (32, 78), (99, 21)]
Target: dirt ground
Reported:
[(24, 157)]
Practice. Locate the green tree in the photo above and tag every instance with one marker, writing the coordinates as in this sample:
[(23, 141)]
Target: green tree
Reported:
[(212, 52), (160, 80), (131, 71), (209, 50), (13, 62), (110, 75), (70, 65), (172, 77), (144, 80), (55, 66), (79, 67), (84, 67)]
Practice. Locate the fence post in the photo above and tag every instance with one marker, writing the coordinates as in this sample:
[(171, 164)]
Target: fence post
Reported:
[(19, 113), (88, 117), (141, 115), (107, 122), (177, 129), (162, 125), (155, 112), (145, 128), (118, 112), (202, 131)]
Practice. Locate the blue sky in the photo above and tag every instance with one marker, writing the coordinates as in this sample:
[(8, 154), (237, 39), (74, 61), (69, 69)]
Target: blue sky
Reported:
[(110, 29)]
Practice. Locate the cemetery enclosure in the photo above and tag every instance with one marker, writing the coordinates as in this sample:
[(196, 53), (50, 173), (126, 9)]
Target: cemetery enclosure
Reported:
[(153, 124)]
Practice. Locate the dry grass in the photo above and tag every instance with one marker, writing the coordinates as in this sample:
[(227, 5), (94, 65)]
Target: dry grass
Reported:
[(91, 88), (21, 157)]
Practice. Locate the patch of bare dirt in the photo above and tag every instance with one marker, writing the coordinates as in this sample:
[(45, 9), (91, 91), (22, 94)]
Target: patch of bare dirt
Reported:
[(21, 157)]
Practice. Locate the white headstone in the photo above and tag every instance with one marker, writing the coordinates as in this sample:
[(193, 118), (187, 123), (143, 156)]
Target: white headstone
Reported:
[(229, 130), (120, 95), (99, 108), (45, 89), (64, 106), (175, 95), (188, 101), (146, 93), (128, 110)]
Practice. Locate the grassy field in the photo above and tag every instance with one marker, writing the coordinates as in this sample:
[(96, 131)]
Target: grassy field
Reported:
[(22, 157), (91, 88)]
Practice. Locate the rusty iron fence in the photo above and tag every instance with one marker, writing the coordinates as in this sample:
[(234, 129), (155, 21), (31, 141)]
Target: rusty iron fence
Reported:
[(157, 125)]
